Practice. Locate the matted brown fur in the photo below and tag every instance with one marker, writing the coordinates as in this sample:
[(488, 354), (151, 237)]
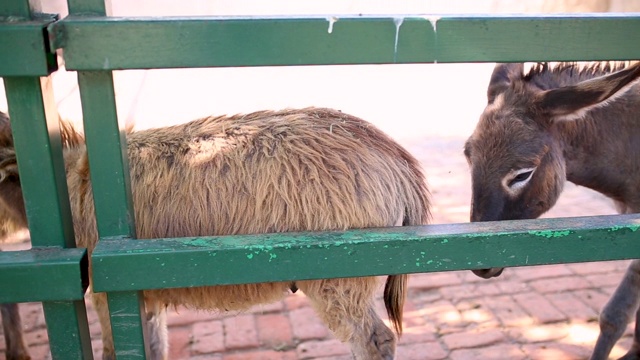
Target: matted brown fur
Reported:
[(270, 171)]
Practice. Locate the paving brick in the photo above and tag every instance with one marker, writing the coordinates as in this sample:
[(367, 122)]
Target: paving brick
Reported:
[(434, 280), (421, 351), (474, 313), (206, 357), (413, 314), (459, 292), (539, 333), (424, 296), (36, 337), (96, 345), (602, 280), (180, 340), (560, 284), (262, 355), (41, 351), (324, 348), (506, 310), (419, 334), (208, 337), (599, 267), (498, 352), (240, 332), (445, 313), (594, 298), (555, 351), (541, 309), (472, 339), (529, 273), (502, 287), (274, 330), (572, 307), (306, 325), (340, 357)]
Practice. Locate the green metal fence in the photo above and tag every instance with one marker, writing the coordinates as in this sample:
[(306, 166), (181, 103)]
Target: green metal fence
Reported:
[(95, 44)]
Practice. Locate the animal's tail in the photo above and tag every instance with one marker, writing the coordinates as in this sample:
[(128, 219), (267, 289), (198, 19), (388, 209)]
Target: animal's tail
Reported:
[(395, 293), (417, 212)]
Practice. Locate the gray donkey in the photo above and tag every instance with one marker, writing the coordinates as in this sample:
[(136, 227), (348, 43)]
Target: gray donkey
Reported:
[(556, 122)]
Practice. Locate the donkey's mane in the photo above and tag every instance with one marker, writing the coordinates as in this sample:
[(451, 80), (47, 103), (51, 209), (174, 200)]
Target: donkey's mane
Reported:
[(568, 73), (69, 136)]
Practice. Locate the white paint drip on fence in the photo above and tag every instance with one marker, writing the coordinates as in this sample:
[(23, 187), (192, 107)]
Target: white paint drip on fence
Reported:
[(332, 20), (398, 22)]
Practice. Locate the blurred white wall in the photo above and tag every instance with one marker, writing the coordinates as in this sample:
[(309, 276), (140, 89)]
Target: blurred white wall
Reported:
[(300, 7), (407, 101)]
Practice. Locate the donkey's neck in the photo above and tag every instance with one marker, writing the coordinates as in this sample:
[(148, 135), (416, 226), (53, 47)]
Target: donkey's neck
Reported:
[(601, 150)]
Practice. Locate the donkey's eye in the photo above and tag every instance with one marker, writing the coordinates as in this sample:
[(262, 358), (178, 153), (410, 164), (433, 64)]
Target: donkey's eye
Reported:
[(521, 177)]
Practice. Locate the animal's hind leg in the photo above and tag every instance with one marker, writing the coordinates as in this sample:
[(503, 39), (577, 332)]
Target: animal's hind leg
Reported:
[(617, 313), (158, 334), (100, 303), (12, 325), (346, 307)]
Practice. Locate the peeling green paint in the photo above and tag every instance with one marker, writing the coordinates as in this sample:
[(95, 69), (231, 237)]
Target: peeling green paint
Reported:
[(632, 228), (551, 233), (200, 242)]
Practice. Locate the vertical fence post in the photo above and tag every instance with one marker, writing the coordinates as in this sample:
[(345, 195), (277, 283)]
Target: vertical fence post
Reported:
[(36, 132), (108, 161)]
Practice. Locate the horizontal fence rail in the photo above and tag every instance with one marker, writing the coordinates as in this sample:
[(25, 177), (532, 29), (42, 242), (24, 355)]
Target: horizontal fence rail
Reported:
[(43, 274), (123, 265), (98, 43)]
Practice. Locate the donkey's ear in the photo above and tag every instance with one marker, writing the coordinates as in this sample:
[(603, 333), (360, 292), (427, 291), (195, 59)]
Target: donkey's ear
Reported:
[(573, 101), (503, 75)]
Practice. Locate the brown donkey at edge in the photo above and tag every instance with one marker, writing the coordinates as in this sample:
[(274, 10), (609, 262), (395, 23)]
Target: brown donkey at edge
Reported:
[(556, 122), (270, 171), (12, 219)]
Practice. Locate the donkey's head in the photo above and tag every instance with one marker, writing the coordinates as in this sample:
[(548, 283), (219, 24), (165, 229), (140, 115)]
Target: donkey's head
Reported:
[(12, 211), (515, 154)]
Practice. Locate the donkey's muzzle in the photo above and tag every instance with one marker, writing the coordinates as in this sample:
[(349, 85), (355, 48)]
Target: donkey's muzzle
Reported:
[(488, 273)]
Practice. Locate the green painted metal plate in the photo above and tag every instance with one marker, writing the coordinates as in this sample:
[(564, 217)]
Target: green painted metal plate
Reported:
[(34, 123), (120, 265), (15, 8), (93, 43), (43, 274), (68, 329), (24, 49)]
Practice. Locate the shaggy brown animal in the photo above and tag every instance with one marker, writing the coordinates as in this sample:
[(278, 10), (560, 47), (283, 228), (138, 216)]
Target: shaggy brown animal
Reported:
[(568, 121), (12, 219), (270, 171)]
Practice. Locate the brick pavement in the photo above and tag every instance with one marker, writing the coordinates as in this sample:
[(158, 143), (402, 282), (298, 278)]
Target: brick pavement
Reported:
[(544, 312)]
